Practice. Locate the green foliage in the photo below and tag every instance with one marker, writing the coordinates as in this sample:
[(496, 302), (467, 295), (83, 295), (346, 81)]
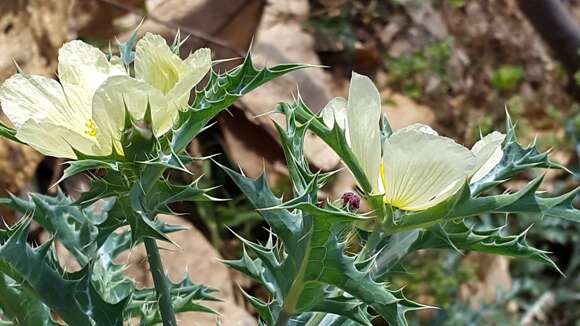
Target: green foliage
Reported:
[(319, 267), (507, 77)]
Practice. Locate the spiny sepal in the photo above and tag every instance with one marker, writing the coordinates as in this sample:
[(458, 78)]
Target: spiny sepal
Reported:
[(333, 136), (79, 166)]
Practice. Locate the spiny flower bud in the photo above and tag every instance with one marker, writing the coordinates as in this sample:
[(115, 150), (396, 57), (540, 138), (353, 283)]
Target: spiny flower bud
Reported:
[(350, 200)]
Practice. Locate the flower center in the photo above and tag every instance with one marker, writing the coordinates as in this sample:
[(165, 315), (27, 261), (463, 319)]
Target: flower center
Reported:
[(91, 129)]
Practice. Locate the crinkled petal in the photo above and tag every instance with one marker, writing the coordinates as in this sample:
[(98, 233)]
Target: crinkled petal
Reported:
[(82, 68), (45, 138), (363, 115), (421, 169), (192, 71), (24, 97), (488, 153), (120, 92), (421, 128), (335, 111), (156, 64)]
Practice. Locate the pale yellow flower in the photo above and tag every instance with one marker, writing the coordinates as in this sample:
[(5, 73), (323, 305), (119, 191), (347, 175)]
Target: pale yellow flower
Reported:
[(86, 111), (418, 168), (52, 117), (359, 117), (162, 80)]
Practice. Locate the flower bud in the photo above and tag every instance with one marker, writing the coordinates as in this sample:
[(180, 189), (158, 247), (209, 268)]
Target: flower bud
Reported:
[(350, 200)]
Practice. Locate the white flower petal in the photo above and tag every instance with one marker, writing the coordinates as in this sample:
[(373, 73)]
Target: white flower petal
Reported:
[(156, 64), (123, 91), (421, 169), (25, 97), (57, 140), (45, 138), (363, 115), (488, 152), (421, 128), (82, 68), (191, 72), (335, 111)]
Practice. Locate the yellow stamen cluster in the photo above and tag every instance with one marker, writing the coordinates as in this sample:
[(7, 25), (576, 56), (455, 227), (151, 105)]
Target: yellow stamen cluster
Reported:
[(91, 130)]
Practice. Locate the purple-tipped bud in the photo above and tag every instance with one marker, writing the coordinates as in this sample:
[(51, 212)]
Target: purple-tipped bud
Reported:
[(351, 200)]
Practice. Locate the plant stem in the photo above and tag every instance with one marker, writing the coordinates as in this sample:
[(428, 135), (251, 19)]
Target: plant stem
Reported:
[(161, 283), (283, 318)]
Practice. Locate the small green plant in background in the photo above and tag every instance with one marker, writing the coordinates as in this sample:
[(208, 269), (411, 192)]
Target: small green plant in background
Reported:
[(407, 68), (506, 77), (457, 3), (336, 28)]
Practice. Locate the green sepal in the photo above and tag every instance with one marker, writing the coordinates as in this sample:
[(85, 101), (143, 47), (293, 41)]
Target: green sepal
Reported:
[(178, 42), (126, 48), (138, 140), (8, 133)]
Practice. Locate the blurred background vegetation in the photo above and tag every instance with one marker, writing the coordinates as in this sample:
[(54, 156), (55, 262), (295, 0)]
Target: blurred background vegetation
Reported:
[(454, 64)]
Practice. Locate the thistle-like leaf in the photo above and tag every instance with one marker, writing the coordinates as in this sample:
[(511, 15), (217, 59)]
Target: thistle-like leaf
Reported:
[(516, 158), (221, 91), (463, 204), (458, 235), (165, 193), (186, 296), (75, 227), (20, 304), (72, 296)]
